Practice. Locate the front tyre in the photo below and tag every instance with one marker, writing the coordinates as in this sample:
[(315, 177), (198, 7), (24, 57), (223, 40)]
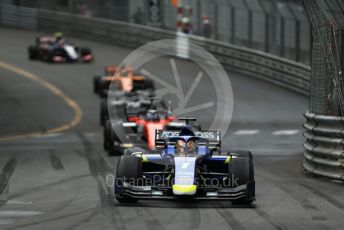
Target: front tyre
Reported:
[(129, 169), (241, 172)]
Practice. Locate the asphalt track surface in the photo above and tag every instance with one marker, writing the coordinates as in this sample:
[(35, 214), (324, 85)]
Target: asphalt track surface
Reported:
[(57, 180)]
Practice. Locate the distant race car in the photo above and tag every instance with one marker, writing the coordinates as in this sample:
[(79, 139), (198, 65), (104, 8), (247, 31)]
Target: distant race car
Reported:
[(126, 103), (46, 48), (139, 129), (125, 80), (188, 164)]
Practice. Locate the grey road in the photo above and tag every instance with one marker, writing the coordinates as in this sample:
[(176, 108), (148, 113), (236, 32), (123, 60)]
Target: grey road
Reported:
[(57, 180)]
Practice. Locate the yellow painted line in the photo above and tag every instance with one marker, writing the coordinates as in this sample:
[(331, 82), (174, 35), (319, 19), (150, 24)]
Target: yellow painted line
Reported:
[(57, 92)]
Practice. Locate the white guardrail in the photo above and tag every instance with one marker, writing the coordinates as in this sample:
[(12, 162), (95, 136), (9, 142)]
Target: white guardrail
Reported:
[(324, 146)]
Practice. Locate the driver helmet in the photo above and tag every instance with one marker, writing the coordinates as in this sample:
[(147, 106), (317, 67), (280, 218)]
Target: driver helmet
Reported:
[(180, 147), (58, 36), (191, 147), (152, 115)]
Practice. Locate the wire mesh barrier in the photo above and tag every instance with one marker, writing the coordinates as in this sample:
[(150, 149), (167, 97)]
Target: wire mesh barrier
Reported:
[(18, 17), (277, 27), (324, 146), (327, 17)]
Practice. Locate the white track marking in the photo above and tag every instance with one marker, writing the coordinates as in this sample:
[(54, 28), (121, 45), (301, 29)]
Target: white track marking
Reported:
[(17, 213), (286, 132), (246, 132), (50, 135), (18, 202)]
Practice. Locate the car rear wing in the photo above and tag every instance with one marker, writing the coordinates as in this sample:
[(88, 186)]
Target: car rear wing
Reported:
[(214, 137)]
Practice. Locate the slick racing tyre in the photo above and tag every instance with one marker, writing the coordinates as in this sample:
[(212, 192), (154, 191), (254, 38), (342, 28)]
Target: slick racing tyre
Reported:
[(129, 168), (104, 113), (33, 53), (111, 142), (96, 82), (148, 84), (241, 172), (103, 88), (85, 51), (107, 135)]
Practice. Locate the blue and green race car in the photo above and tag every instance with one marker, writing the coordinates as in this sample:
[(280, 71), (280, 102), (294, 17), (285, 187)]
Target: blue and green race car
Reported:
[(186, 164)]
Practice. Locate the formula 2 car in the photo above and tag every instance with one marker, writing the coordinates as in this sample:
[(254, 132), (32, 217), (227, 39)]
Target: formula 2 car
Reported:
[(126, 103), (137, 130), (190, 165), (100, 81), (46, 48), (125, 80)]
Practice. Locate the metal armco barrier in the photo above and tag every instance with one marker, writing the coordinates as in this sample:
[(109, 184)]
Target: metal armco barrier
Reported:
[(279, 71), (324, 147), (18, 17)]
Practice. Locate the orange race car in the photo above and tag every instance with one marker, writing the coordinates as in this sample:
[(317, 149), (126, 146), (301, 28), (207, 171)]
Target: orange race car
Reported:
[(125, 80)]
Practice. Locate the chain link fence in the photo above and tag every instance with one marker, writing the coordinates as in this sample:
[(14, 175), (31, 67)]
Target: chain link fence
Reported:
[(274, 26), (327, 17)]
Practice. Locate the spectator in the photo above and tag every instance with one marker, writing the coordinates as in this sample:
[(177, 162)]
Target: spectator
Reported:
[(82, 8), (206, 27), (186, 26)]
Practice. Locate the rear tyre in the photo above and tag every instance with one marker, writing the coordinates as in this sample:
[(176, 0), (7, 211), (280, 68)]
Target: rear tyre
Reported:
[(50, 54), (104, 112), (85, 51), (33, 53), (111, 142), (148, 84), (103, 88), (96, 80), (106, 136), (129, 168)]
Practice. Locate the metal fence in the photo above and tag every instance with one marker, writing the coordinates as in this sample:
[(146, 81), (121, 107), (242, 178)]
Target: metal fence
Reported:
[(279, 27), (327, 83), (324, 147), (274, 26)]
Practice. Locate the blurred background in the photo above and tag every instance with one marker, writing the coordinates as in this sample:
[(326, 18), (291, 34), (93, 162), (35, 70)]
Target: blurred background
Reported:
[(279, 27)]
